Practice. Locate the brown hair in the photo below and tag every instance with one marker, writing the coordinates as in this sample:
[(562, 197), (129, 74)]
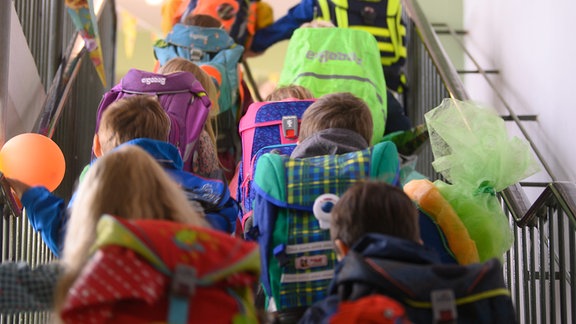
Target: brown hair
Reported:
[(202, 21), (376, 207), (337, 110), (133, 117), (289, 91)]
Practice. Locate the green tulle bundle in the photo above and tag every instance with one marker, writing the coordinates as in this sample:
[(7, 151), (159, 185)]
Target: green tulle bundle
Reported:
[(473, 151)]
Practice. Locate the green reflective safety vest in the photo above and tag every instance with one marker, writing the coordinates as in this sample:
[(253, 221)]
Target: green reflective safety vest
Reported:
[(329, 60)]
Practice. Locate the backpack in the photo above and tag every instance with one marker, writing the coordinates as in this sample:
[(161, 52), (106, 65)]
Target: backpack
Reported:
[(213, 195), (329, 60), (297, 253), (382, 19), (180, 94), (266, 127), (144, 271), (430, 293)]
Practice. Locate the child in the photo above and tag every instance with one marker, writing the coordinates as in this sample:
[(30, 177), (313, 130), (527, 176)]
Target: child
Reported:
[(138, 120), (375, 230), (206, 157), (127, 183), (336, 123)]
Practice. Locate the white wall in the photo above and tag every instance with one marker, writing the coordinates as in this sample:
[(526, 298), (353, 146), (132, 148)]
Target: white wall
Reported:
[(531, 43)]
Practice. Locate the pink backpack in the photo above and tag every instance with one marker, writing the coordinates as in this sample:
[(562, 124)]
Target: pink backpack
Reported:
[(266, 127), (182, 97)]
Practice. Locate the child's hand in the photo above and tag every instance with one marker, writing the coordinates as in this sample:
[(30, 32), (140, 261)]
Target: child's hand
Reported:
[(18, 186)]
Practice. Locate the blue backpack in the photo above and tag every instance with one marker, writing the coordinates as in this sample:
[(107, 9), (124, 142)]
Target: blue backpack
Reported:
[(206, 46), (297, 253)]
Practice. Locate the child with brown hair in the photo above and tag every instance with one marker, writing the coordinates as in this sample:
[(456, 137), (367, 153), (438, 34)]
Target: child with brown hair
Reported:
[(136, 120), (335, 123), (376, 233)]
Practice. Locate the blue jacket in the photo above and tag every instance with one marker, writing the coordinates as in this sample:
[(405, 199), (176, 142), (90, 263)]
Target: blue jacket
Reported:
[(375, 246), (284, 27), (47, 212)]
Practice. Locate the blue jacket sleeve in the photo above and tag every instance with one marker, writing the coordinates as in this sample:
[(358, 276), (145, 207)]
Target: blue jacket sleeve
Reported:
[(25, 289), (284, 27), (46, 213)]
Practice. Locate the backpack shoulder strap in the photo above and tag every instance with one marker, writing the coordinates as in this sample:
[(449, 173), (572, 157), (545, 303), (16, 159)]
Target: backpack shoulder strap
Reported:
[(385, 163)]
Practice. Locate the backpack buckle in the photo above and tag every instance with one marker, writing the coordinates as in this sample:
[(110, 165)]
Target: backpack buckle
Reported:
[(280, 254), (196, 54), (184, 280), (290, 126), (444, 306)]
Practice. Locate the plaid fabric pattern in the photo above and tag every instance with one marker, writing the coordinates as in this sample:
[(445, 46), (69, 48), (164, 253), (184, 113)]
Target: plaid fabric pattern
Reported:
[(306, 180), (23, 289)]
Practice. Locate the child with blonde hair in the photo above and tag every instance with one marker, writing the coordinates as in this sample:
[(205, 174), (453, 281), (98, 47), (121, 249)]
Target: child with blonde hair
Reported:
[(126, 183)]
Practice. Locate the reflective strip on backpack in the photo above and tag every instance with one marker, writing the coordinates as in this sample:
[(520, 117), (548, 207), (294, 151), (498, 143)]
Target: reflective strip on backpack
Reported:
[(342, 77), (309, 247), (463, 300), (305, 277), (390, 39)]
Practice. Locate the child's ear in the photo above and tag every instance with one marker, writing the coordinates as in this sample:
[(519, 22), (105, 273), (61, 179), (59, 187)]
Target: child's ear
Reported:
[(341, 248), (96, 147)]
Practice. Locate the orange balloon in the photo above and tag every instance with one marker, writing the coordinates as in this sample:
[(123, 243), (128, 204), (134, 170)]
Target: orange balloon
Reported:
[(33, 159)]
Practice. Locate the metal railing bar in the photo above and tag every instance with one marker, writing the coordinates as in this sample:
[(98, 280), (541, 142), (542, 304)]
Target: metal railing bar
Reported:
[(478, 71), (520, 117)]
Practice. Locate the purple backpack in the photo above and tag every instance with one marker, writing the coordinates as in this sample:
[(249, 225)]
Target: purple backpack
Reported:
[(182, 97), (266, 127)]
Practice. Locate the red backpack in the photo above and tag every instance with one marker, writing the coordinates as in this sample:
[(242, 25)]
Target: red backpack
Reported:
[(161, 271)]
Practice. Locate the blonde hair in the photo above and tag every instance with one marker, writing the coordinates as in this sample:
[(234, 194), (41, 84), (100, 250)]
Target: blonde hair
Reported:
[(289, 91), (126, 183), (179, 64), (133, 117), (337, 110)]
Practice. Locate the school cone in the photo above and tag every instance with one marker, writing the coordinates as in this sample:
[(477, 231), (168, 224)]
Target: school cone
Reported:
[(84, 18)]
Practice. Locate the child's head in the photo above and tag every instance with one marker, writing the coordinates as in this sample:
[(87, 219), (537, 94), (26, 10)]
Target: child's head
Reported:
[(202, 21), (130, 118), (373, 207), (289, 91), (337, 110), (126, 183)]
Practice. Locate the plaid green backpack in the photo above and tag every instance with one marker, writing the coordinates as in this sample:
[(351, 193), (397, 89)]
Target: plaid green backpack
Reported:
[(296, 253)]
